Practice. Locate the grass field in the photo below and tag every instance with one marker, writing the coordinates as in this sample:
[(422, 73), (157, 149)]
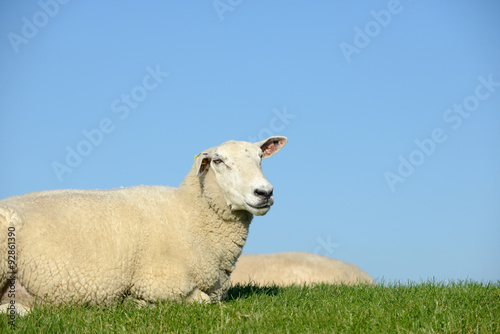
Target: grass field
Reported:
[(433, 307)]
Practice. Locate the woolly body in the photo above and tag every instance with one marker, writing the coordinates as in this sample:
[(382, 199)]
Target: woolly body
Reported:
[(295, 268)]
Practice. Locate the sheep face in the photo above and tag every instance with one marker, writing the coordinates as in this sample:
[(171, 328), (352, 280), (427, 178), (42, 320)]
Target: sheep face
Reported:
[(238, 171)]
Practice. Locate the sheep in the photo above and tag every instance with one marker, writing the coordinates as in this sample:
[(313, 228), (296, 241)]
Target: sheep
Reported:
[(146, 243), (289, 268)]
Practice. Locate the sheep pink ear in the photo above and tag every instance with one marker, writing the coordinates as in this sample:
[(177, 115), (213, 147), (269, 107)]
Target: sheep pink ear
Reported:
[(202, 162), (272, 145)]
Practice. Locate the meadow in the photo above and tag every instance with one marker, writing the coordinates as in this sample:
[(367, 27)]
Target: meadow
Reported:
[(428, 307)]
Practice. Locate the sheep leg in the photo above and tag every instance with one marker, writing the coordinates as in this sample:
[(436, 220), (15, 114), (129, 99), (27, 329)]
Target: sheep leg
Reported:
[(198, 296), (14, 299), (21, 310)]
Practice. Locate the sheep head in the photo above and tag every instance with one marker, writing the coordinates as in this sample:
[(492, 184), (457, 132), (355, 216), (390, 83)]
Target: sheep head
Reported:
[(238, 172)]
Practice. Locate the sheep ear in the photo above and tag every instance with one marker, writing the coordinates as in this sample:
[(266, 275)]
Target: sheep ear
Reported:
[(202, 162), (272, 145)]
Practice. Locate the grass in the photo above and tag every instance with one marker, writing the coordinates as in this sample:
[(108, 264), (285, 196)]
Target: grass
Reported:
[(432, 307)]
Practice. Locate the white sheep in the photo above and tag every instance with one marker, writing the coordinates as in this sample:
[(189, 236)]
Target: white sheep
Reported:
[(149, 243), (295, 268)]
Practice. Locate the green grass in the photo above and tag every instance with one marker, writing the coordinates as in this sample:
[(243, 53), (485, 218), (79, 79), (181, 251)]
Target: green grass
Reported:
[(433, 307)]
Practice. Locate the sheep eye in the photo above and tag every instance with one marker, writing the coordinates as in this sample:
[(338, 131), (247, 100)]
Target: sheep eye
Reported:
[(217, 161)]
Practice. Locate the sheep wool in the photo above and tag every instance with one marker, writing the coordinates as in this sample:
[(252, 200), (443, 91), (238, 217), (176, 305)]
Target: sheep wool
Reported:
[(290, 268)]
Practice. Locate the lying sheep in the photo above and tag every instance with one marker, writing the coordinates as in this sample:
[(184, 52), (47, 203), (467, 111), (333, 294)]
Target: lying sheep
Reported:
[(149, 243), (295, 268)]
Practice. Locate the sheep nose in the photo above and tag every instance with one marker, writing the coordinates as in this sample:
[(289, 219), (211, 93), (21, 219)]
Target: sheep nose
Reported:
[(263, 193)]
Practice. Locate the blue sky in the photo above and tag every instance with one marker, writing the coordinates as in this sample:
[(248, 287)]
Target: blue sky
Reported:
[(392, 109)]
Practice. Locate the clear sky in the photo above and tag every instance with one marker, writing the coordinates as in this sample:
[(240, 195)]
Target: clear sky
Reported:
[(392, 109)]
